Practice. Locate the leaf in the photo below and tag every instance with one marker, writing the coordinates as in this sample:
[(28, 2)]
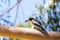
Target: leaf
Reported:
[(53, 28), (11, 38), (40, 8), (20, 25)]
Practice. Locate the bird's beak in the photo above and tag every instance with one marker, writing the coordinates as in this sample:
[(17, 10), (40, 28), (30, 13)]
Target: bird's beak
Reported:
[(26, 20)]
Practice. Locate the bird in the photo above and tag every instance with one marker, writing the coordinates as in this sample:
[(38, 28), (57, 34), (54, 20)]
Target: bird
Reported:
[(37, 25)]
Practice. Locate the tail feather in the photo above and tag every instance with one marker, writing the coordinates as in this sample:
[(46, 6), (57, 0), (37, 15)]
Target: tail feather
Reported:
[(42, 30)]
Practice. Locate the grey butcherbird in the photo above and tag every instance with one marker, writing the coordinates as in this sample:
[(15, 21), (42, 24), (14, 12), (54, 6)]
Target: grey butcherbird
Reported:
[(37, 25)]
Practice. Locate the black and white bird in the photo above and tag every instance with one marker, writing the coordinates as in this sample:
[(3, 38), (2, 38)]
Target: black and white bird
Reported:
[(37, 25)]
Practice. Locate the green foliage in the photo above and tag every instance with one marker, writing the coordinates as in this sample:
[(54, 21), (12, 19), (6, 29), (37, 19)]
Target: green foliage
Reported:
[(11, 39), (20, 25), (53, 22), (16, 39), (40, 8)]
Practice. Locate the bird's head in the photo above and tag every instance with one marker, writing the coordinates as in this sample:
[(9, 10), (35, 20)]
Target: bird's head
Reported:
[(30, 19)]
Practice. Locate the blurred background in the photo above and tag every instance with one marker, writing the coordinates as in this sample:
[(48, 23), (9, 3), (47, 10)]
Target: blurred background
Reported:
[(15, 12)]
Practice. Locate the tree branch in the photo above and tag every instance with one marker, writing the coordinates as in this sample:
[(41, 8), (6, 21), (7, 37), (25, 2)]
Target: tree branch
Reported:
[(27, 33)]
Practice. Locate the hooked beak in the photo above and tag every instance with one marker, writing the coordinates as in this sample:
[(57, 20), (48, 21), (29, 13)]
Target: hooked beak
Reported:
[(26, 20)]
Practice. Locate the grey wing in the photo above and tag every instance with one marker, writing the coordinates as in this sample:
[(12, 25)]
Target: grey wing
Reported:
[(39, 27), (36, 21)]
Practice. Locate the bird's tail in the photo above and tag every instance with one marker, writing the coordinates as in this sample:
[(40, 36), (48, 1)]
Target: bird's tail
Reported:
[(42, 30)]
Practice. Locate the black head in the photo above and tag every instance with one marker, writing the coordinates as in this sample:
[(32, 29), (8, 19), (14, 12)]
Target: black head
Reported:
[(30, 19)]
